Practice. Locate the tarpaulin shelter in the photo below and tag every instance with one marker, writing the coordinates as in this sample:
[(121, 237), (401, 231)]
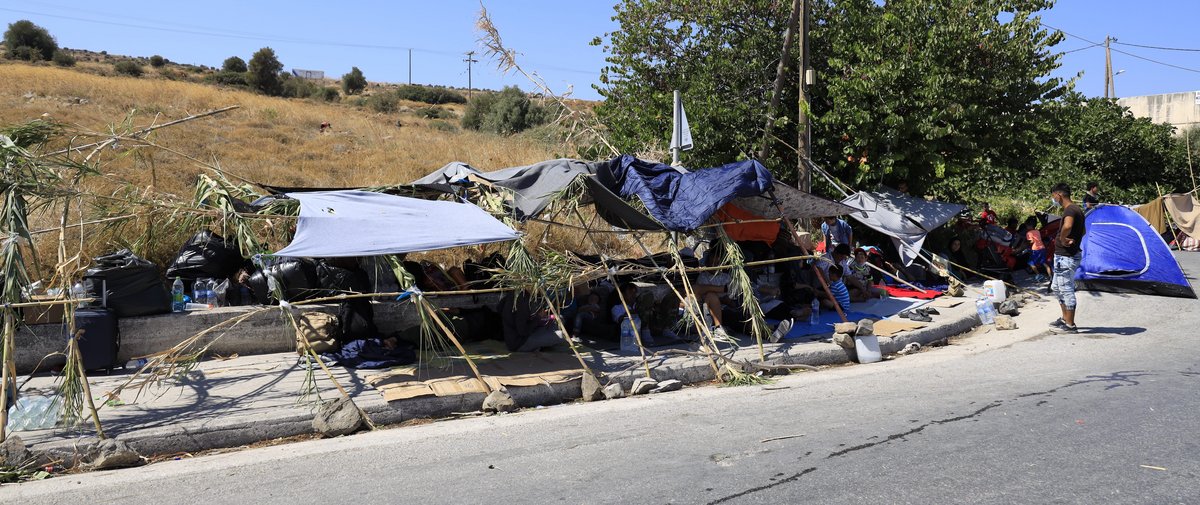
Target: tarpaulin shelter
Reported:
[(362, 223), (672, 200), (533, 186), (1185, 211), (1154, 213), (1123, 254), (907, 220)]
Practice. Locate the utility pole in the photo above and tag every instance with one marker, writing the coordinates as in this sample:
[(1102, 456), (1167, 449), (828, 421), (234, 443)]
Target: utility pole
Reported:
[(804, 130), (1109, 89), (780, 71), (470, 60), (410, 66)]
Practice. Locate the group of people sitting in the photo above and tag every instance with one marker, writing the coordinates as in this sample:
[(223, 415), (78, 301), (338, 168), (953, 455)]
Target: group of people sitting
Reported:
[(786, 291)]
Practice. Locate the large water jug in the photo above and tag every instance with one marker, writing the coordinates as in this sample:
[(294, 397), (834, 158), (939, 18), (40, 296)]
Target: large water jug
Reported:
[(983, 307), (995, 291)]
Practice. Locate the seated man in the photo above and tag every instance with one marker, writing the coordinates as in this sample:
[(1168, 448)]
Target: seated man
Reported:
[(527, 328)]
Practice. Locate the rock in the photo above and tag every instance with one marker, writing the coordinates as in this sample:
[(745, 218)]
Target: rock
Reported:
[(13, 452), (1008, 307), (337, 418), (865, 327), (613, 391), (1004, 322), (668, 386), (642, 385), (843, 340), (847, 328), (590, 387), (498, 401), (110, 453)]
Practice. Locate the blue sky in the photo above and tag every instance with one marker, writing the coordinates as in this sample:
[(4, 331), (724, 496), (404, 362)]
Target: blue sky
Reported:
[(552, 36)]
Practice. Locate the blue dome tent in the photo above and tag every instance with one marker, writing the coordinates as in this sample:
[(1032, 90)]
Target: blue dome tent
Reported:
[(1123, 254)]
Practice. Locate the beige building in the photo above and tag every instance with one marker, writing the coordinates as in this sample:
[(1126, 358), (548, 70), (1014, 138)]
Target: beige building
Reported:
[(1181, 110)]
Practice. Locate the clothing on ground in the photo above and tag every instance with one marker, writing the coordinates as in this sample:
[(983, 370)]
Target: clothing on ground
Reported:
[(371, 353)]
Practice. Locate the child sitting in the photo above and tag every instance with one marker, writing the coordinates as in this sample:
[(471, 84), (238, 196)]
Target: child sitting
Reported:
[(587, 312), (838, 289)]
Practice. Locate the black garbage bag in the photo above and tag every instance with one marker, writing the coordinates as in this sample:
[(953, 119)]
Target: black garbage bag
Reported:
[(356, 320), (338, 279), (297, 279), (132, 283), (206, 256)]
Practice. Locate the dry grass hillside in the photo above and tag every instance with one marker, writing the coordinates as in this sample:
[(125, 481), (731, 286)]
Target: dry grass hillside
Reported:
[(269, 140)]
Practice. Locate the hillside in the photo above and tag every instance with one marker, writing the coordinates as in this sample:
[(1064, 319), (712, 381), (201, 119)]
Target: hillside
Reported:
[(269, 140)]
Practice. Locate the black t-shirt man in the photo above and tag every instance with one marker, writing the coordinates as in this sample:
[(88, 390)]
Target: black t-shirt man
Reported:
[(1075, 234), (1090, 200)]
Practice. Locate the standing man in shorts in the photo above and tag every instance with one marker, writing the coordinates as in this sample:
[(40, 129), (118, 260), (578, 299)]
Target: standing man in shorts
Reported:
[(1067, 257)]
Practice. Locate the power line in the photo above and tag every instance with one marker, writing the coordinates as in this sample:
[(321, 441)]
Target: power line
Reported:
[(1161, 47), (1080, 49), (1126, 53)]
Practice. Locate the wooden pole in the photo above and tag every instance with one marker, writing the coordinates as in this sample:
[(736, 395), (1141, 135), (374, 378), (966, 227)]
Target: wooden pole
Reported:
[(780, 71), (87, 388), (894, 276), (450, 335), (7, 373), (804, 130)]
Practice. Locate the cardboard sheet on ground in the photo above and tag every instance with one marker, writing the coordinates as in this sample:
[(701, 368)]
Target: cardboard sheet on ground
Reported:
[(515, 370), (892, 327), (946, 302)]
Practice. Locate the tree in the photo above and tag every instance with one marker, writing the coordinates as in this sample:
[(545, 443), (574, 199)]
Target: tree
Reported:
[(233, 64), (157, 61), (354, 82), (919, 89), (507, 112), (24, 34), (264, 69), (63, 58)]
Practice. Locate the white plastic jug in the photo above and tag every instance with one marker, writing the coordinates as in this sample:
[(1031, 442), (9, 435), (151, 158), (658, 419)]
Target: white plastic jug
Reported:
[(995, 291), (867, 347)]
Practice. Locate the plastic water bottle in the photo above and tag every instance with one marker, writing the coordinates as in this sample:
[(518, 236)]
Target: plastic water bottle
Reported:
[(211, 291), (78, 292), (200, 292), (177, 296), (815, 316), (987, 314), (628, 339)]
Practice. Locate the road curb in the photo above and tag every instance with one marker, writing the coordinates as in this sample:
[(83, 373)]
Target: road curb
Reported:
[(222, 433)]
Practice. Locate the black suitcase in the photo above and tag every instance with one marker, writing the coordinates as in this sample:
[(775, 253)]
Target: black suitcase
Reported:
[(99, 338)]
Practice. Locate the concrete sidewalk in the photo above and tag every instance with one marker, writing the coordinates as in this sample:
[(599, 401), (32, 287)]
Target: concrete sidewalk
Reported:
[(232, 402)]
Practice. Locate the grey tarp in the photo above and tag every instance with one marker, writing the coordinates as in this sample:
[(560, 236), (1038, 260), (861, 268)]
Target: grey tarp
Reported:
[(795, 204), (532, 185), (904, 218), (335, 224)]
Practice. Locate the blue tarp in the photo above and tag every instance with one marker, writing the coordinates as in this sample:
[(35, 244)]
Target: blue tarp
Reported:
[(683, 202), (1123, 254), (336, 224)]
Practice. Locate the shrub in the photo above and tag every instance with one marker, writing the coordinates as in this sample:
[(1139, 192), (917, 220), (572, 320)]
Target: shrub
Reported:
[(128, 67), (264, 69), (63, 59), (325, 94), (435, 112), (37, 43), (233, 64), (228, 79), (445, 126), (507, 112), (354, 82), (435, 95), (157, 61), (298, 88), (382, 102)]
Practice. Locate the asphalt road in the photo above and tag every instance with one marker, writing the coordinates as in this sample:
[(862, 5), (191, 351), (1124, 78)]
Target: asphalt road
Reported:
[(1107, 416)]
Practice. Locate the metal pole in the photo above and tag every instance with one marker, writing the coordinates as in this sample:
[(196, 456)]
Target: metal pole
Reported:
[(470, 86), (410, 67), (676, 128)]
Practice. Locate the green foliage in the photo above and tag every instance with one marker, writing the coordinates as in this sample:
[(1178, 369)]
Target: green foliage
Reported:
[(228, 79), (63, 59), (436, 95), (434, 112), (507, 112), (157, 61), (234, 64), (382, 102), (293, 87), (354, 82), (263, 72), (896, 95), (325, 94), (444, 126), (128, 67), (27, 41)]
